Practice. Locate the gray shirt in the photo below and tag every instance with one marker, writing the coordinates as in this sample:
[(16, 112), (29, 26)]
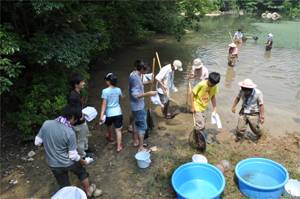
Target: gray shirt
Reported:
[(136, 87), (257, 99), (58, 140)]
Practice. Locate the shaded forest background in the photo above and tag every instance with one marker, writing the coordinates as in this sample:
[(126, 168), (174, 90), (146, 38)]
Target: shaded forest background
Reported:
[(43, 42)]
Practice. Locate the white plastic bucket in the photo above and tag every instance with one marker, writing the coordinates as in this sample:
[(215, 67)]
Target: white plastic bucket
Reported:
[(199, 158), (143, 159)]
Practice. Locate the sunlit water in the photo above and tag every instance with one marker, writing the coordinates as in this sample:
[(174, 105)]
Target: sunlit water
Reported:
[(260, 178), (198, 189), (276, 73)]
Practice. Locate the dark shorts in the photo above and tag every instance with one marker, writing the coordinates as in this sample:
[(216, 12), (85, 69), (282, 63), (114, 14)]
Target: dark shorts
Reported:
[(117, 120), (62, 176), (140, 121)]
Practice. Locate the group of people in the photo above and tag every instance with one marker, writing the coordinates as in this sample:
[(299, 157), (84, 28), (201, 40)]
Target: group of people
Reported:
[(65, 154), (237, 40)]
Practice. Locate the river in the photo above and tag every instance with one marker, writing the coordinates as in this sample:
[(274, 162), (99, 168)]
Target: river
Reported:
[(276, 73)]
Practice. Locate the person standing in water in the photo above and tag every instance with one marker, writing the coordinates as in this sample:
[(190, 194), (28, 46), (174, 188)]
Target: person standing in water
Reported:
[(232, 54), (199, 72), (111, 108), (269, 43), (237, 38)]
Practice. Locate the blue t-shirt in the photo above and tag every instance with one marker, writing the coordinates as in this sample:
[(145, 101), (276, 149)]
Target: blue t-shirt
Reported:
[(112, 106)]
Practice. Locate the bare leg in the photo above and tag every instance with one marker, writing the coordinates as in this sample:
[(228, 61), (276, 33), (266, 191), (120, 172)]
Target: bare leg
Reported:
[(109, 130), (86, 186), (119, 139), (136, 137), (141, 147), (131, 119)]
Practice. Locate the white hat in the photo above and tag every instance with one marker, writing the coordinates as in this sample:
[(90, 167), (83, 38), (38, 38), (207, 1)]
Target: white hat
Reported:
[(197, 64), (70, 192), (232, 45), (178, 65), (270, 35), (247, 83)]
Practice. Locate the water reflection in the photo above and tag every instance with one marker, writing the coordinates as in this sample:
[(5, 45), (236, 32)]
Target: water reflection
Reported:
[(267, 54), (229, 77)]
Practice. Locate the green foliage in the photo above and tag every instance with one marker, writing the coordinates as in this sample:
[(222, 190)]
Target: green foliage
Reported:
[(9, 69), (41, 98)]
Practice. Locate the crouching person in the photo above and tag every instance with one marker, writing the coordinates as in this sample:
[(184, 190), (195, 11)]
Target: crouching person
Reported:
[(59, 141), (252, 111)]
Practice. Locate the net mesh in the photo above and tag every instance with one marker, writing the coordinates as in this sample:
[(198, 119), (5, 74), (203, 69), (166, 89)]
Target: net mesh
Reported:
[(197, 140)]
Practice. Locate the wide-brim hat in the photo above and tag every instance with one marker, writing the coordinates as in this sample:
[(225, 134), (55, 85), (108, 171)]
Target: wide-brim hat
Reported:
[(197, 64), (232, 45), (247, 83), (178, 65)]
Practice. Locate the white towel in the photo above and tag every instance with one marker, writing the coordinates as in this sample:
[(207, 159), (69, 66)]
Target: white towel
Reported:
[(147, 76), (89, 160), (104, 118), (155, 100), (216, 119)]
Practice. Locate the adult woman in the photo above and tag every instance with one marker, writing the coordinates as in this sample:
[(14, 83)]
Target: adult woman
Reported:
[(232, 54)]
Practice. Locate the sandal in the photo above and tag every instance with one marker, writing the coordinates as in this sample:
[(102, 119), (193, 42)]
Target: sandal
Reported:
[(144, 145), (120, 149), (168, 117), (130, 130), (94, 189), (110, 139)]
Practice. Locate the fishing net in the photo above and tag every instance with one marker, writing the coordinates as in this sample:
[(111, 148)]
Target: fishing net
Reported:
[(197, 140), (174, 108)]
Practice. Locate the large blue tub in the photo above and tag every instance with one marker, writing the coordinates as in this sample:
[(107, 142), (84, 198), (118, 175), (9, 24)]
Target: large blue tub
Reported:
[(261, 178), (198, 180)]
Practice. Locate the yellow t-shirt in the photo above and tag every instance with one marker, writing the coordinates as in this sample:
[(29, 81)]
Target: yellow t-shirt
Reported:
[(203, 94)]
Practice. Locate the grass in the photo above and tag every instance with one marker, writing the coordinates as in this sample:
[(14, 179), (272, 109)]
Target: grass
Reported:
[(159, 186)]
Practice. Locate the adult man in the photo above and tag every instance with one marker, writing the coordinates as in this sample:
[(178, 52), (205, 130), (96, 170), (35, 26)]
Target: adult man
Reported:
[(60, 145), (201, 95), (80, 127), (237, 38), (136, 96), (165, 79), (199, 71), (252, 111)]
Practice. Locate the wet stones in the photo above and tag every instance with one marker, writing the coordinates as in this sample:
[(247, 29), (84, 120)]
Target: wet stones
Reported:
[(31, 154), (173, 122)]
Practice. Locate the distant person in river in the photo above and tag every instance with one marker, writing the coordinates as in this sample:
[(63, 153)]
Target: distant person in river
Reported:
[(237, 38), (252, 111), (199, 72), (201, 95), (165, 79), (112, 110), (232, 54), (80, 127), (136, 97), (59, 142), (145, 81), (269, 43)]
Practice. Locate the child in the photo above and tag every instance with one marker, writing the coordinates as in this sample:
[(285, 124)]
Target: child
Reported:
[(200, 96), (252, 111), (232, 54), (112, 109)]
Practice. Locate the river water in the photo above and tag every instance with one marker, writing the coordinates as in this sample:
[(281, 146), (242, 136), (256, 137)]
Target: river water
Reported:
[(276, 73)]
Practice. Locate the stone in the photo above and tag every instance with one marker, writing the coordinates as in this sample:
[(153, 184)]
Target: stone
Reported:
[(161, 128), (173, 122), (31, 154), (24, 159), (154, 148), (30, 159), (15, 182), (98, 192)]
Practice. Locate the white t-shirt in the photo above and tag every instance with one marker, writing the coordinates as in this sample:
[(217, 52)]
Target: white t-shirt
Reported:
[(203, 76)]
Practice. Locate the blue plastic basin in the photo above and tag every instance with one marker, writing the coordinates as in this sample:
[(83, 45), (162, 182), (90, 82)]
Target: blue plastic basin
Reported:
[(261, 178), (198, 180)]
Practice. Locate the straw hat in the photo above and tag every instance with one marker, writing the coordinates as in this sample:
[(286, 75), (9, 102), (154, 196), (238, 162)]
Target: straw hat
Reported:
[(247, 83), (197, 64), (232, 45), (178, 65)]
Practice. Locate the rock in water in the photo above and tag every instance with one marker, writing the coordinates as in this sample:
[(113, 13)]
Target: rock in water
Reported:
[(30, 159), (31, 154), (173, 122)]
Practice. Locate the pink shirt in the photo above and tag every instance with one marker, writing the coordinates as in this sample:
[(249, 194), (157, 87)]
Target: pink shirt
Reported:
[(234, 52)]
